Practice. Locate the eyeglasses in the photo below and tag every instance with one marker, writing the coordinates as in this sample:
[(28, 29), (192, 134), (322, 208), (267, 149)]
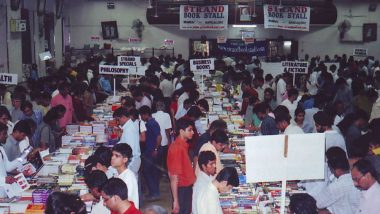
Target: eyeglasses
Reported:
[(357, 180), (106, 199)]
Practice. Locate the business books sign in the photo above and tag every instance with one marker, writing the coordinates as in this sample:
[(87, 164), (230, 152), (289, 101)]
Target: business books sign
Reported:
[(287, 17), (211, 17), (201, 65)]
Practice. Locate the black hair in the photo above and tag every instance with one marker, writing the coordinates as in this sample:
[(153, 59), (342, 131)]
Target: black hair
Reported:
[(22, 126), (145, 110), (4, 110), (337, 159), (3, 127), (360, 147), (194, 111), (365, 166), (261, 108), (26, 104), (268, 77), (204, 157), (61, 202), (91, 162), (116, 186), (183, 124), (349, 119), (204, 104), (32, 124), (18, 96), (105, 155), (281, 114), (95, 179), (188, 102), (218, 124), (299, 110), (124, 149), (292, 92), (137, 93), (302, 203), (63, 85), (59, 108), (121, 112), (129, 102), (219, 136), (230, 175), (270, 91)]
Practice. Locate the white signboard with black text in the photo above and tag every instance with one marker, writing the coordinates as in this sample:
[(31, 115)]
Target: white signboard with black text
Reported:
[(360, 52), (294, 67), (129, 61), (287, 17), (113, 70), (8, 79), (210, 17), (202, 65)]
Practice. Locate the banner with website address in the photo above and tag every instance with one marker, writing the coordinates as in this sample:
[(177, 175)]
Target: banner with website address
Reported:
[(211, 17), (287, 17)]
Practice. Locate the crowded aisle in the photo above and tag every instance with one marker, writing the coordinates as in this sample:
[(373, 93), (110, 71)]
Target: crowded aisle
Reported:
[(220, 125)]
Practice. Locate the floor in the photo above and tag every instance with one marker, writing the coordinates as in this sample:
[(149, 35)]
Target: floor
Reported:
[(165, 199)]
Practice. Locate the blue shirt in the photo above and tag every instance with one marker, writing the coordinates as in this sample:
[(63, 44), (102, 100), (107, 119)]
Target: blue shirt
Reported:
[(152, 133), (269, 126), (105, 84)]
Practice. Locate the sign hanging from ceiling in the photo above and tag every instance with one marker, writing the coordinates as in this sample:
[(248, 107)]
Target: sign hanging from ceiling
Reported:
[(237, 46), (287, 17), (211, 17), (129, 61)]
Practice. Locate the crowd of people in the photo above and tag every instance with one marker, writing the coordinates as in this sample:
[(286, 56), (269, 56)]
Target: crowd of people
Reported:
[(161, 135)]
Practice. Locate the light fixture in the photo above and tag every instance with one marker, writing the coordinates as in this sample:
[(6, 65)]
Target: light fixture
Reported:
[(280, 6), (149, 4), (247, 26), (254, 9), (288, 43), (156, 13)]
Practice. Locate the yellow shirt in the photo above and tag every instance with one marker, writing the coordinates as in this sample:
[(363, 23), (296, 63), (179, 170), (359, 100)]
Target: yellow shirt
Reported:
[(209, 147)]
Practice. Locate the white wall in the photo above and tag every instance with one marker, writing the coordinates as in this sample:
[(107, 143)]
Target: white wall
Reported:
[(3, 41), (85, 17), (14, 55)]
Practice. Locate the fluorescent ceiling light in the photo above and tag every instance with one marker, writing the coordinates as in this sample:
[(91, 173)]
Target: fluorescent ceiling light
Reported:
[(244, 25)]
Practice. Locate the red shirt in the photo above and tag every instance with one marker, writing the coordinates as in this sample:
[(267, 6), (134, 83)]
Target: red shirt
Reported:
[(68, 103), (131, 210), (179, 163)]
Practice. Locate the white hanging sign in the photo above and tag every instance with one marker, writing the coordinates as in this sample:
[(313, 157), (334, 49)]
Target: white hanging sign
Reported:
[(113, 70), (129, 61)]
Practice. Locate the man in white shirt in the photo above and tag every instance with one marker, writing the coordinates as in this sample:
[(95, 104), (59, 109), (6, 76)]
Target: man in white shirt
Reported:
[(323, 124), (129, 136), (121, 153), (340, 196), (217, 143), (281, 88), (282, 119), (206, 191), (141, 100), (5, 165), (291, 102), (163, 119), (94, 182), (364, 177), (166, 86), (308, 123)]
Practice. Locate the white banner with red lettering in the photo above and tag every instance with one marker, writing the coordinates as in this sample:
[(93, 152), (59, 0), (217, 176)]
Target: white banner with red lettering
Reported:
[(212, 17), (287, 17)]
